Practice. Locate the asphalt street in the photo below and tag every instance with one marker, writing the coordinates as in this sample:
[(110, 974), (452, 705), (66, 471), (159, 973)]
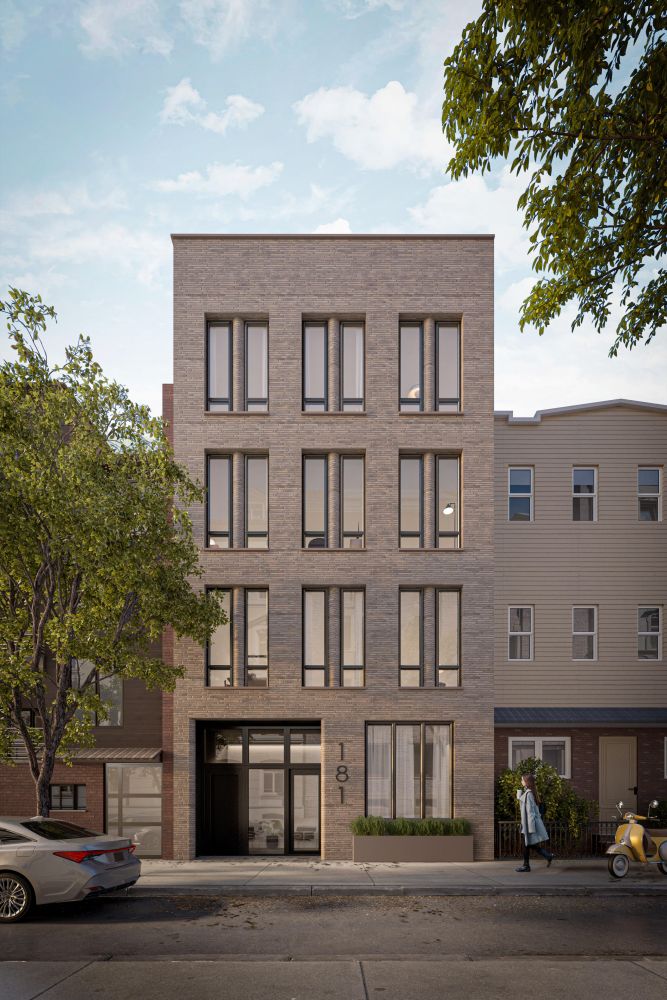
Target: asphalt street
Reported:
[(306, 948)]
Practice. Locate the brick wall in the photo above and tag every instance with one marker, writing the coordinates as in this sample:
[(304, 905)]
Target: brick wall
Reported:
[(17, 793)]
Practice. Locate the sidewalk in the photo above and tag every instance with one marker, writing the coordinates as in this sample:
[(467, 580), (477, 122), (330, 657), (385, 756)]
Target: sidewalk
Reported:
[(311, 876)]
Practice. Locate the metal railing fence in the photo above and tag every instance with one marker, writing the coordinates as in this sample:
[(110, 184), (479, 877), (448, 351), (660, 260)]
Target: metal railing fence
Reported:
[(591, 840)]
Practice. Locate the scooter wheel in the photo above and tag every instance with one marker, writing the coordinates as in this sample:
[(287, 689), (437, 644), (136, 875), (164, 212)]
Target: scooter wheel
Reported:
[(662, 867), (618, 866)]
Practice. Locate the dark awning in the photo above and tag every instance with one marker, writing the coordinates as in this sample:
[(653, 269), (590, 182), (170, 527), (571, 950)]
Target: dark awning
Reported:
[(581, 716)]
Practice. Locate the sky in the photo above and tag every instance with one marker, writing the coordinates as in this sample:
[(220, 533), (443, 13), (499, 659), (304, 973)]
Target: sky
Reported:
[(126, 120)]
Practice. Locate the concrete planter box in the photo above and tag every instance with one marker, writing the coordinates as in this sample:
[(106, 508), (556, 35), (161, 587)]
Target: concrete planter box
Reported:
[(433, 849)]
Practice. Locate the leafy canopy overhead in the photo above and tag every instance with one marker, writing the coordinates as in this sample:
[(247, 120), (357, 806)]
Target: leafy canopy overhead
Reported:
[(576, 94), (96, 550)]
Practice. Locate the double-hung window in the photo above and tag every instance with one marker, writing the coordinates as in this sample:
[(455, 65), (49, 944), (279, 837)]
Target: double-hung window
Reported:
[(520, 633), (448, 367), (219, 507), (219, 365), (411, 350), (219, 654), (411, 645), (520, 493), (553, 750), (256, 367), (257, 502), (352, 367), (257, 638), (584, 633), (584, 494), (649, 633), (448, 613), (649, 493), (315, 633), (409, 770), (315, 367)]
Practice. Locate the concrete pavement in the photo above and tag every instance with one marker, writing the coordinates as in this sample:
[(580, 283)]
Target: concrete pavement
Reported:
[(312, 876)]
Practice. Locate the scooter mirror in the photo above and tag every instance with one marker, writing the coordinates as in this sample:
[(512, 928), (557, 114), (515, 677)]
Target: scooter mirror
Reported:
[(654, 804), (619, 805)]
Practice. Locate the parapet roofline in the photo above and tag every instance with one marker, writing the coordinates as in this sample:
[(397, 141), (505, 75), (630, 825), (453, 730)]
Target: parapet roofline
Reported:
[(333, 236), (636, 404)]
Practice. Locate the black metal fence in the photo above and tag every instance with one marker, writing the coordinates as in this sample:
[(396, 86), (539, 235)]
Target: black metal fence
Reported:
[(591, 840)]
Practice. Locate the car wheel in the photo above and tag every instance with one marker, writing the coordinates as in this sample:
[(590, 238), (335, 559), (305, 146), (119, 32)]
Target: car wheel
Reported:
[(618, 865), (16, 898)]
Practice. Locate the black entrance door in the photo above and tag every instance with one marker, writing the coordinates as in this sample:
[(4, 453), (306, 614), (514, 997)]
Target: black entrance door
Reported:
[(226, 829)]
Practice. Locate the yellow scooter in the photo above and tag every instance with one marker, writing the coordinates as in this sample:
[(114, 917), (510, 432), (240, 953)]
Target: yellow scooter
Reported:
[(633, 843)]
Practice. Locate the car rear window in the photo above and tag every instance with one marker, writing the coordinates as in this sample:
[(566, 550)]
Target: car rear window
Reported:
[(54, 829)]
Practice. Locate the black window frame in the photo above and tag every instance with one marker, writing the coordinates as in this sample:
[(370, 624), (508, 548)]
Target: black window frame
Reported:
[(306, 534), (246, 666), (219, 400), (446, 400), (312, 667), (459, 618), (343, 456), (404, 402), (393, 724), (348, 666), (254, 534), (401, 665), (349, 404), (222, 666), (256, 401), (411, 534), (312, 401), (76, 795), (98, 720), (229, 535), (457, 500)]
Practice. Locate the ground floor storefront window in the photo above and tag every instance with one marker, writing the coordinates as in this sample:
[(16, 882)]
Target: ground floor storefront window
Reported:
[(408, 769), (134, 805)]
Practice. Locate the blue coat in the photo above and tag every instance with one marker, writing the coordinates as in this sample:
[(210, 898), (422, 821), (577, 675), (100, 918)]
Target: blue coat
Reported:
[(532, 827)]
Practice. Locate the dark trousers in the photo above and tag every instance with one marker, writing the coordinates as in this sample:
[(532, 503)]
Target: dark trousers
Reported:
[(536, 847)]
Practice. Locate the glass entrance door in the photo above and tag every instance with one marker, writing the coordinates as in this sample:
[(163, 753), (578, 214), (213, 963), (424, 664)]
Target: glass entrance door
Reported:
[(305, 812)]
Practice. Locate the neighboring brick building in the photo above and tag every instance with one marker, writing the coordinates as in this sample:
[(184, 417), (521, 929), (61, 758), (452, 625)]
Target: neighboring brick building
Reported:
[(581, 589), (330, 460)]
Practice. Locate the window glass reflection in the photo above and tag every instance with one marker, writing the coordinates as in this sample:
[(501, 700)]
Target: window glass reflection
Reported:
[(411, 366), (257, 340), (352, 336), (314, 503), (257, 636), (219, 347), (410, 502), (352, 480), (219, 502), (257, 502), (315, 366), (448, 503), (448, 392)]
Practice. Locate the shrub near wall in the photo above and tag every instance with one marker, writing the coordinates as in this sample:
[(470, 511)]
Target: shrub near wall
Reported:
[(377, 826), (425, 840)]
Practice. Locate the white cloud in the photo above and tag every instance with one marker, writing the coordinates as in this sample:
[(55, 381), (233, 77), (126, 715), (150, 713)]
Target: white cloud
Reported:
[(338, 226), (387, 129), (222, 179), (116, 27), (219, 24), (136, 251), (477, 205), (66, 201), (357, 8), (184, 105)]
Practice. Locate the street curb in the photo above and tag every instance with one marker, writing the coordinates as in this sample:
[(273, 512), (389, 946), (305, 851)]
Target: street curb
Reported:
[(165, 892)]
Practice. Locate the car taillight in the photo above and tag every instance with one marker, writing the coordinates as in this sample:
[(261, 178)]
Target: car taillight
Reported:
[(132, 848), (79, 856)]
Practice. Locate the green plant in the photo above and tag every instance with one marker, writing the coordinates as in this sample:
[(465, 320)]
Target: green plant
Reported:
[(561, 802), (377, 826)]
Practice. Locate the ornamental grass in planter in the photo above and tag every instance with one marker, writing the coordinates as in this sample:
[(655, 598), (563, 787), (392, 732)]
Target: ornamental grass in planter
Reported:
[(379, 839)]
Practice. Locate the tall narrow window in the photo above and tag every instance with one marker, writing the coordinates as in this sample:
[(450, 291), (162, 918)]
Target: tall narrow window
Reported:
[(219, 394), (352, 341), (584, 634), (407, 757), (411, 367), (584, 494), (520, 634), (315, 367), (649, 494), (448, 672), (220, 502), (257, 502), (257, 367), (448, 510), (408, 770), (448, 367), (379, 778), (315, 502), (649, 633), (257, 638), (520, 499), (410, 674), (219, 658), (352, 646), (108, 688), (411, 521), (314, 638), (352, 506)]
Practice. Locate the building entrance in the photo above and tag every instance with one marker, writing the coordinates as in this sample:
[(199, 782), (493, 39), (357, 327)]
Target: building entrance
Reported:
[(259, 789)]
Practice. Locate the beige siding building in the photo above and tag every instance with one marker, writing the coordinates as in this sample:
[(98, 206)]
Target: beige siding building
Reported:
[(580, 596), (335, 394)]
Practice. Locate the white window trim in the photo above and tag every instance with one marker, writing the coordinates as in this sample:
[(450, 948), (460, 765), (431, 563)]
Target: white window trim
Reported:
[(594, 633), (643, 659), (521, 468), (539, 742), (588, 496), (531, 634), (644, 496)]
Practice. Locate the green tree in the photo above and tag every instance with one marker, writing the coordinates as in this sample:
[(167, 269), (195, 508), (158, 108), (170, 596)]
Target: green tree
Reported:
[(561, 803), (576, 93), (96, 550)]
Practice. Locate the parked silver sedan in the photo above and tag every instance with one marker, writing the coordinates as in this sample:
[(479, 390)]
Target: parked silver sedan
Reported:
[(49, 861)]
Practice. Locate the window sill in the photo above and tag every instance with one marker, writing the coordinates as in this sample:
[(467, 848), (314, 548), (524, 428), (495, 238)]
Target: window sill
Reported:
[(339, 548), (237, 413), (334, 413), (423, 548), (431, 413), (68, 810), (213, 548)]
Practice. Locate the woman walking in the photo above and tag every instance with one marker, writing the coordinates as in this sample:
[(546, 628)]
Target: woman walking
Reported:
[(532, 827)]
